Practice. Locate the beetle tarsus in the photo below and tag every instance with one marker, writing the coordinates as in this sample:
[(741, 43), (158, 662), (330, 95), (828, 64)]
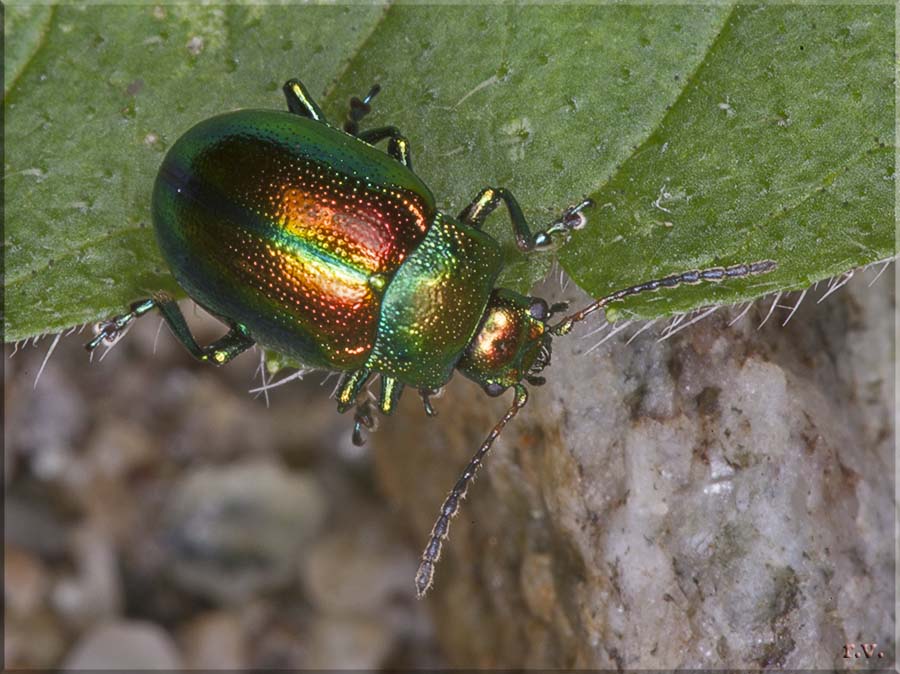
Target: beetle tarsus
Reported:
[(571, 219), (557, 308), (398, 145), (372, 93), (103, 332), (112, 330), (359, 108), (362, 419), (491, 197), (425, 394)]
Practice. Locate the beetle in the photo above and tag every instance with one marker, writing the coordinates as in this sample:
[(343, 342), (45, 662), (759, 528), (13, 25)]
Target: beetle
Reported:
[(306, 239)]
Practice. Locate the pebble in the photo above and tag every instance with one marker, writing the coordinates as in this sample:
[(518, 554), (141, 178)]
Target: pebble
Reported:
[(124, 645), (237, 530), (357, 568), (35, 641), (63, 416), (214, 640), (25, 581), (94, 593), (345, 642)]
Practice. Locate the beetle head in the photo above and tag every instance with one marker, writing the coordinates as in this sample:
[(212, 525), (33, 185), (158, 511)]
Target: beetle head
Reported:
[(511, 343)]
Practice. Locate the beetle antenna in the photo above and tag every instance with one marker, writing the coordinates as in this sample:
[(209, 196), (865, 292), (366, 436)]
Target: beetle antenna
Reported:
[(714, 274), (432, 552)]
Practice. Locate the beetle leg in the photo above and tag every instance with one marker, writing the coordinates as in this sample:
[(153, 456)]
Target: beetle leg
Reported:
[(425, 394), (359, 109), (350, 387), (235, 342), (490, 197), (300, 102), (390, 392), (109, 331), (398, 147), (362, 418), (556, 308), (219, 352)]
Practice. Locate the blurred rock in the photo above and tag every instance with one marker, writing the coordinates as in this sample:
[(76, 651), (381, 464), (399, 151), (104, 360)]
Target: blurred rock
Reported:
[(720, 499), (345, 642), (120, 448), (33, 636), (44, 420), (33, 524), (214, 640), (126, 645), (357, 568), (121, 513), (25, 581), (234, 531), (280, 646), (216, 426), (33, 641), (94, 594)]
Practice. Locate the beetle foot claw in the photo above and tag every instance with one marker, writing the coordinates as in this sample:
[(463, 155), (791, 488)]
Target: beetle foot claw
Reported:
[(358, 438), (362, 419), (557, 308), (108, 332), (573, 218), (425, 394)]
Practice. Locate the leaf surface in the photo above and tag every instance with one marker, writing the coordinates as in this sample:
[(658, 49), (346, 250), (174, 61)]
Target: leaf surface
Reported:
[(706, 135)]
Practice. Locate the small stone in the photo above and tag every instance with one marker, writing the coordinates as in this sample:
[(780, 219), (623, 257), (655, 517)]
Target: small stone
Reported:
[(234, 531), (36, 641), (34, 525), (95, 593), (279, 646), (25, 581), (62, 412), (120, 448), (126, 645), (214, 423), (356, 569), (537, 585), (214, 640), (348, 643)]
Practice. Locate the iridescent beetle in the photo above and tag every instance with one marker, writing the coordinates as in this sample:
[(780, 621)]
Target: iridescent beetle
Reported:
[(308, 240)]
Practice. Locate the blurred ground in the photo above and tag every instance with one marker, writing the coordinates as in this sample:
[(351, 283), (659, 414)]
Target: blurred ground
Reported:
[(158, 515)]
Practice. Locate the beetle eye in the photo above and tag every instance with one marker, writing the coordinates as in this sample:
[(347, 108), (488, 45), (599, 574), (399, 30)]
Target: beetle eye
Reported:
[(539, 309), (494, 389)]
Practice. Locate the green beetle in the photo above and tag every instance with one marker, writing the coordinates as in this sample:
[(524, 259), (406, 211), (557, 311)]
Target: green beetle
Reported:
[(306, 239)]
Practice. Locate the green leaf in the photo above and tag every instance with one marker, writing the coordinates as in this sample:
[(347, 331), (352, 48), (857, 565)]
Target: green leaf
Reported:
[(706, 134), (29, 25), (780, 146)]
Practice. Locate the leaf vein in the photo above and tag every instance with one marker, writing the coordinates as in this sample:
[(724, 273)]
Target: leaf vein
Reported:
[(364, 40), (9, 87), (688, 82)]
